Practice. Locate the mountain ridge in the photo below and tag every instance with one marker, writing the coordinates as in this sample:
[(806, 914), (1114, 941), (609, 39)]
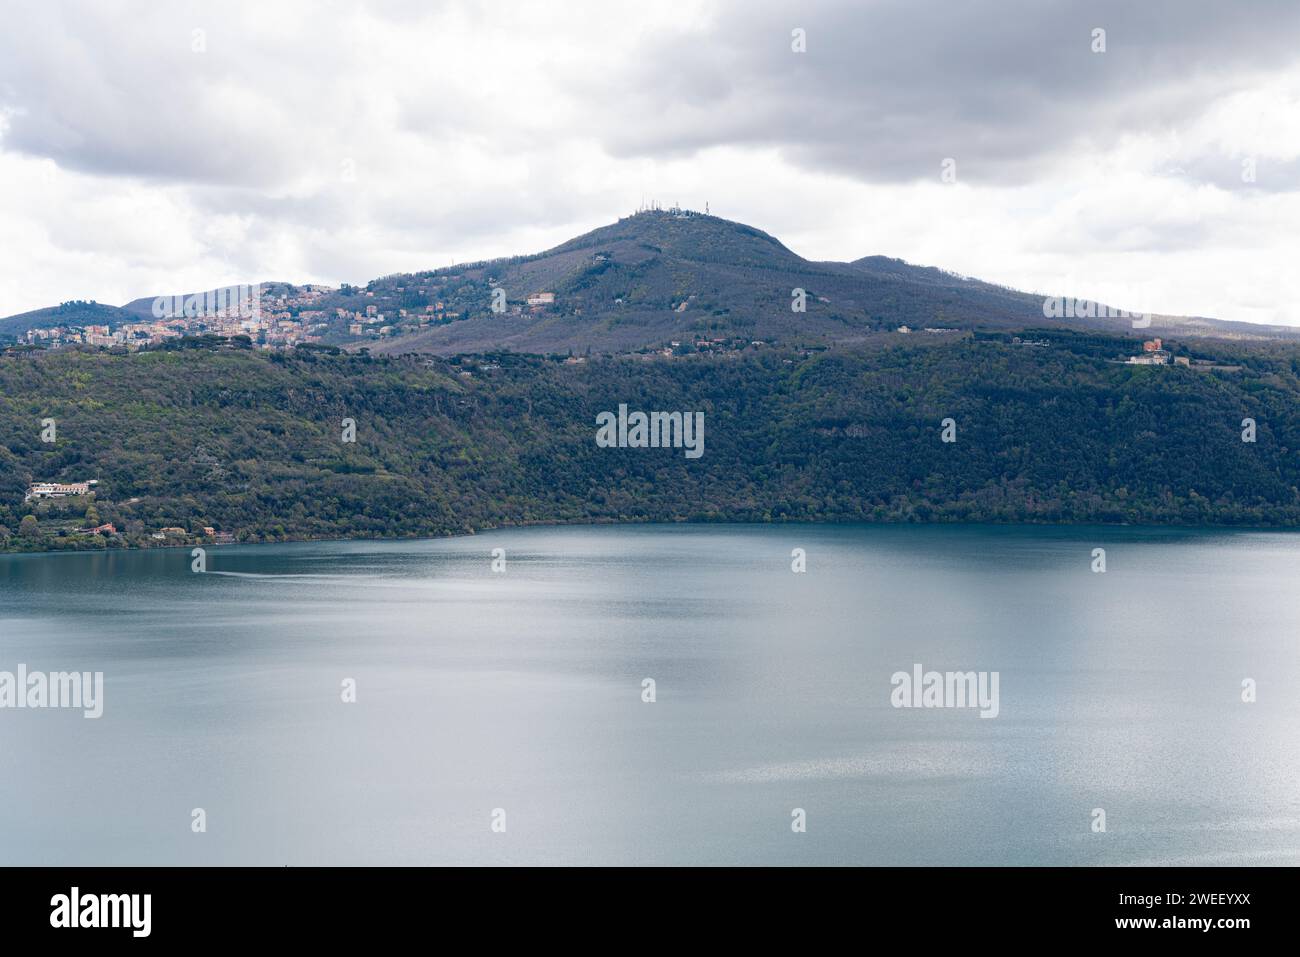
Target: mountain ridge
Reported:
[(657, 277)]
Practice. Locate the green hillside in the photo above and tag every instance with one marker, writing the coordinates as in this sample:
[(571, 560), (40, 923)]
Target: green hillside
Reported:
[(249, 443)]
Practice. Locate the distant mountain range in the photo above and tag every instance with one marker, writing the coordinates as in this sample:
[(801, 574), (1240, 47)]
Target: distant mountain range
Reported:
[(654, 278)]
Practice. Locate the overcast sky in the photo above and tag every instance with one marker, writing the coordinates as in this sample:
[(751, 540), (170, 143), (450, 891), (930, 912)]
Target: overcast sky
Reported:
[(150, 148)]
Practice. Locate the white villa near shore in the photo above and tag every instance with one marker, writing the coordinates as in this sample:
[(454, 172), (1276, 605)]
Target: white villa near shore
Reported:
[(59, 489)]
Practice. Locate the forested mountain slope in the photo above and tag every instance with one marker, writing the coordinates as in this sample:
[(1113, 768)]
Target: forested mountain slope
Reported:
[(250, 443)]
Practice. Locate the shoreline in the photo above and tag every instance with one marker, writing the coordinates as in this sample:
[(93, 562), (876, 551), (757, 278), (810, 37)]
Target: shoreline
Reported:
[(596, 523)]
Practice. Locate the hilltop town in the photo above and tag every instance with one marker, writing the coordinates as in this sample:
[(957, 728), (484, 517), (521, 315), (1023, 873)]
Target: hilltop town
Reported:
[(273, 319)]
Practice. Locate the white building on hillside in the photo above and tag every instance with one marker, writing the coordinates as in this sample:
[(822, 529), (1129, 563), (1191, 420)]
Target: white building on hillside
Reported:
[(58, 489)]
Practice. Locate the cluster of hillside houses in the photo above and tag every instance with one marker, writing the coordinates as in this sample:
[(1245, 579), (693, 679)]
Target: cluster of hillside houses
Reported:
[(1154, 354), (56, 490)]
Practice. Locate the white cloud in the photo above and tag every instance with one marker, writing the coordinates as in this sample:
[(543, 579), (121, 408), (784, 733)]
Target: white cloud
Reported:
[(383, 137)]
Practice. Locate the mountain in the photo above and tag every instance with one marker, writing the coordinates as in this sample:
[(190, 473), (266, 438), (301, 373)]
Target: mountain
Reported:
[(658, 277), (663, 276), (673, 275)]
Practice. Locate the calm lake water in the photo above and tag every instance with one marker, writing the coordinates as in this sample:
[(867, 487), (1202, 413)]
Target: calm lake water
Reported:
[(523, 691)]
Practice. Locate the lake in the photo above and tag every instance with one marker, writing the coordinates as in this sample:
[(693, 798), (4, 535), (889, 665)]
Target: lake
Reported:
[(522, 691)]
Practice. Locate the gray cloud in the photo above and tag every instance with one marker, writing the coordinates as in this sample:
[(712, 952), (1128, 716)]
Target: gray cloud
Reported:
[(887, 90), (124, 91), (475, 128)]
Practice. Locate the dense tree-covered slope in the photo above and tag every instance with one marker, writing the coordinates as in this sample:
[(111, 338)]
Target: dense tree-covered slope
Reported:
[(250, 443)]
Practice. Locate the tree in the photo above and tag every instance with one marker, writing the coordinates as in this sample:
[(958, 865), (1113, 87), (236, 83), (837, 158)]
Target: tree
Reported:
[(28, 527)]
